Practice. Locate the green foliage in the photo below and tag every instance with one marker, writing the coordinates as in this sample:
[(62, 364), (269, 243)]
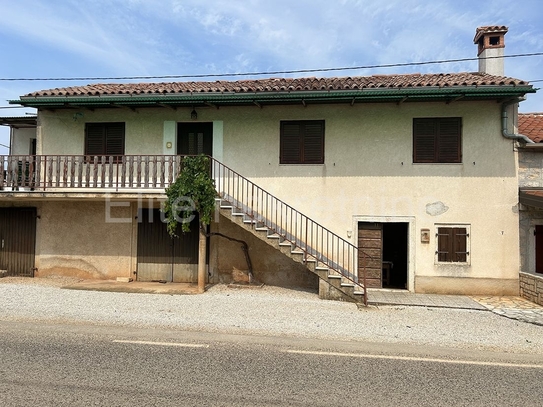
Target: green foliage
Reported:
[(193, 191)]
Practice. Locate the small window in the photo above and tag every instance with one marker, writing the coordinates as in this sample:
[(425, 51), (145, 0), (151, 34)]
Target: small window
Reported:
[(437, 140), (104, 139), (302, 142), (494, 40), (452, 244)]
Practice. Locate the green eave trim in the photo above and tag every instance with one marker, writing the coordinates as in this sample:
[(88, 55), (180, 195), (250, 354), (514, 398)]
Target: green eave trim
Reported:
[(364, 95)]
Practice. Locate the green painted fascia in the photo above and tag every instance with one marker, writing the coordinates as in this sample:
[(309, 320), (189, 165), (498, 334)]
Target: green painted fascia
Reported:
[(323, 96)]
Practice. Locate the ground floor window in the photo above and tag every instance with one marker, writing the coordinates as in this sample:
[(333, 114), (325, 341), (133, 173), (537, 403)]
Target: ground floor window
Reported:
[(452, 243)]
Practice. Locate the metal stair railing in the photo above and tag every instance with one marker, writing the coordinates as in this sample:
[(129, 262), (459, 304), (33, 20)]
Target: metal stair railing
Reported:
[(306, 235)]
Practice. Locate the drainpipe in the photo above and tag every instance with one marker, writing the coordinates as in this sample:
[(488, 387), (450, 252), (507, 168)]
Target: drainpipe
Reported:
[(505, 133)]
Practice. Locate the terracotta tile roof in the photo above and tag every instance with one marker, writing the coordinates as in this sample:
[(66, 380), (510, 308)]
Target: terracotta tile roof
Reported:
[(489, 29), (287, 85), (531, 125)]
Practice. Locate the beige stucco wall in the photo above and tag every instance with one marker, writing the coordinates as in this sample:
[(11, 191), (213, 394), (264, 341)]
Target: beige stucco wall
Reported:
[(270, 266), (368, 171), (74, 238), (21, 140)]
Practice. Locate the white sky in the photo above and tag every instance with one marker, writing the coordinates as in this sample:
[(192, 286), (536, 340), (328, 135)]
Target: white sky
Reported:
[(110, 38)]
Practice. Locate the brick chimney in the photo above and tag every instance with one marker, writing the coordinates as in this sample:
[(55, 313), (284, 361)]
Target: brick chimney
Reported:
[(491, 42)]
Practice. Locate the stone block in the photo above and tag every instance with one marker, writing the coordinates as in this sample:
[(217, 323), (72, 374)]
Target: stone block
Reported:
[(124, 279), (3, 273)]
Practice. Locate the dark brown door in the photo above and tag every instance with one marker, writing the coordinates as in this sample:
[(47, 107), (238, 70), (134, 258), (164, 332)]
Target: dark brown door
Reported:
[(539, 249), (161, 257), (370, 253), (18, 241), (195, 138)]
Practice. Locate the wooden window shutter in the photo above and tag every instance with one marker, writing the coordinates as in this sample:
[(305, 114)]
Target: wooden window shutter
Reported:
[(424, 140), (95, 140), (291, 142), (460, 245), (452, 244), (302, 142), (313, 144), (115, 139), (437, 140), (444, 244), (449, 148)]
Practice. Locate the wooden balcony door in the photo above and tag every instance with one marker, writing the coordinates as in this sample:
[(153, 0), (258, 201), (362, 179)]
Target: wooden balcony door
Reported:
[(195, 138)]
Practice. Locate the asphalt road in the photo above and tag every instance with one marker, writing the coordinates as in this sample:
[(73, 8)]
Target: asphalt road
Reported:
[(63, 365)]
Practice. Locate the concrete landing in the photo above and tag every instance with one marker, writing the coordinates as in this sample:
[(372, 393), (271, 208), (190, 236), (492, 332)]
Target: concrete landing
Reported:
[(135, 287)]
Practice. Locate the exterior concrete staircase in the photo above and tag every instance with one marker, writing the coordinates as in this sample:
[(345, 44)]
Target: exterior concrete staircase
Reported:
[(333, 285)]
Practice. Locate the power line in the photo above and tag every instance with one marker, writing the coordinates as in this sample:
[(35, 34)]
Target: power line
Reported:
[(220, 75)]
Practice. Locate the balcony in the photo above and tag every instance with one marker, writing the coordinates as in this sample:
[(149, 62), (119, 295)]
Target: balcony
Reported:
[(81, 173)]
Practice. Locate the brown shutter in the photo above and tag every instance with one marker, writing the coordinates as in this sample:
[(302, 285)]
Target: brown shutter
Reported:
[(424, 140), (449, 148), (437, 140), (115, 139), (104, 139), (95, 139), (444, 244), (290, 149), (313, 144), (460, 244)]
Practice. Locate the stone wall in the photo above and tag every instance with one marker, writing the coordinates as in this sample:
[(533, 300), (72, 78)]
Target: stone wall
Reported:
[(531, 287), (530, 169)]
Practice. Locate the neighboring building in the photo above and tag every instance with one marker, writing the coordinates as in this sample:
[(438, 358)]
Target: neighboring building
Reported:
[(22, 136), (406, 180), (531, 207)]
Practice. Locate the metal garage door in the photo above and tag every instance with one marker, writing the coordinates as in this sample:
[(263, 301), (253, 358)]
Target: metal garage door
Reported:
[(161, 258), (17, 241)]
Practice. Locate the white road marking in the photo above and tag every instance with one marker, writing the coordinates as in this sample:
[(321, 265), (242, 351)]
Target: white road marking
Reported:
[(415, 359), (181, 345)]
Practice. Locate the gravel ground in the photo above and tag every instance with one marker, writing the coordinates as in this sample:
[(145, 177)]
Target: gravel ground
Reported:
[(267, 311)]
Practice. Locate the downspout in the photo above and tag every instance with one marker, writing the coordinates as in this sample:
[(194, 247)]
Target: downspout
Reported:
[(505, 133)]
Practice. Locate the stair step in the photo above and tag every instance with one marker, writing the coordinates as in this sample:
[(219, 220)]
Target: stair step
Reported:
[(322, 268), (359, 293), (261, 229), (347, 285), (274, 236), (334, 276)]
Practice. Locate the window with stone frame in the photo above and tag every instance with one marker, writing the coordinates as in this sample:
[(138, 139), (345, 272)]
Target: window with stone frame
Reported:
[(453, 243)]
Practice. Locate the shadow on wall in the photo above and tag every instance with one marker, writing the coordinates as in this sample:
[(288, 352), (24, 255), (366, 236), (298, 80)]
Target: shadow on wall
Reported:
[(270, 265)]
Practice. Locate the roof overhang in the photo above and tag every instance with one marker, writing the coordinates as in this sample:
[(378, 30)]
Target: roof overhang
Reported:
[(531, 197), (369, 95), (19, 121)]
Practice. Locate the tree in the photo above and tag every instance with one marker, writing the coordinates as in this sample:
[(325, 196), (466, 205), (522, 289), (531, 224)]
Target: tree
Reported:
[(192, 191)]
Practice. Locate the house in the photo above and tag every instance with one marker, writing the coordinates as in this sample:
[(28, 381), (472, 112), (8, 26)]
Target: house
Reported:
[(531, 207), (396, 181)]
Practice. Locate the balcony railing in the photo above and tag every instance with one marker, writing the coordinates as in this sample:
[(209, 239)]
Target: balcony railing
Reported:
[(59, 172)]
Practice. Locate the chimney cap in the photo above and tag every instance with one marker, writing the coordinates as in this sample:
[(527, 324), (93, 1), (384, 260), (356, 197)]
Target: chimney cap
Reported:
[(489, 29)]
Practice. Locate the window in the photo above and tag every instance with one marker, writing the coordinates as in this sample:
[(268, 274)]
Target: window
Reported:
[(437, 140), (452, 244), (104, 139), (302, 142)]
